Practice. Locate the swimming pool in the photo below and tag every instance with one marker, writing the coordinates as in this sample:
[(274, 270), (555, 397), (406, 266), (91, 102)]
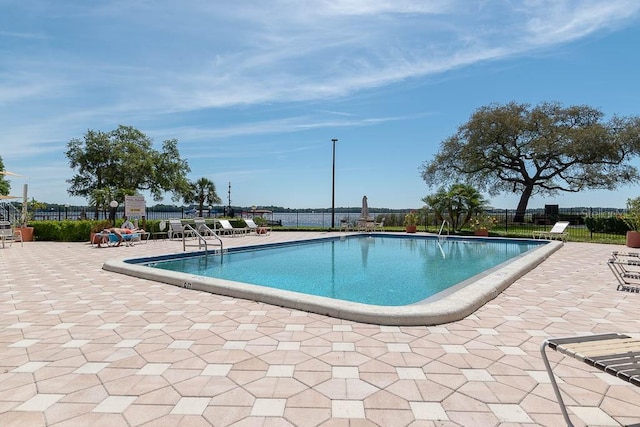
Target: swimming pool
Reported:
[(380, 270), (338, 280)]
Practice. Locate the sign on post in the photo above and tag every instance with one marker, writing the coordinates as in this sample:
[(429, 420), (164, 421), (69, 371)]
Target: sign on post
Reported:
[(134, 206)]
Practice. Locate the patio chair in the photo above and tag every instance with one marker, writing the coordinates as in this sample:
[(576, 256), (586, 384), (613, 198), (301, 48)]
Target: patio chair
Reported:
[(128, 239), (111, 239), (365, 224), (177, 228), (379, 226), (556, 232), (202, 228), (252, 227), (229, 230), (626, 269), (9, 234), (615, 354)]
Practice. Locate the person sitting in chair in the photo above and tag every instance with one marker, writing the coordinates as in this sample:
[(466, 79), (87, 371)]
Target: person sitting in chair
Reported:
[(128, 225), (114, 230)]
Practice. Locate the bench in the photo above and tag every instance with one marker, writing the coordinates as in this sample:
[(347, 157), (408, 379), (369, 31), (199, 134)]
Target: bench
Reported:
[(615, 354)]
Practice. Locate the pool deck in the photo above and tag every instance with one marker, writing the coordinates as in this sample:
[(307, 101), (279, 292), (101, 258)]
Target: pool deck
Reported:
[(83, 346)]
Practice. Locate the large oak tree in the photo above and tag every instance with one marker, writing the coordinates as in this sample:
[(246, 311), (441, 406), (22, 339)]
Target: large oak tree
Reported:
[(538, 150), (110, 165)]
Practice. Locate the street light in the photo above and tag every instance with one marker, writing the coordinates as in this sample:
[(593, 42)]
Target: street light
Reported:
[(204, 199), (333, 187), (112, 212)]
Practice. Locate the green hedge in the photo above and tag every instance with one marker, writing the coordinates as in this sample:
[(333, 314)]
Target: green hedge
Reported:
[(606, 224), (80, 230), (62, 231)]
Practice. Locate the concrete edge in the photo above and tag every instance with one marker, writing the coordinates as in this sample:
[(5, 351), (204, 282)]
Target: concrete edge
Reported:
[(454, 306)]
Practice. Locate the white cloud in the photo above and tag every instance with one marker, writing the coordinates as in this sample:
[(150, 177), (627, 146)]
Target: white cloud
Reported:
[(94, 66)]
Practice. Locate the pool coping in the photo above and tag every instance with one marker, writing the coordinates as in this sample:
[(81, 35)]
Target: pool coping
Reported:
[(454, 306)]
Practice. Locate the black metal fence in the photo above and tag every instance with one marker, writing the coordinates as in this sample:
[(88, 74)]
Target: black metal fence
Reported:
[(508, 221)]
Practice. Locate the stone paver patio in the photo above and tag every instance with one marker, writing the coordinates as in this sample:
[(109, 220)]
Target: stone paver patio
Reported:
[(82, 346)]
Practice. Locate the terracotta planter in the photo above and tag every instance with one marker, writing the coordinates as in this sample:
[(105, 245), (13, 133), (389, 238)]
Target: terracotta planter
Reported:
[(481, 232), (411, 228), (27, 233), (633, 239)]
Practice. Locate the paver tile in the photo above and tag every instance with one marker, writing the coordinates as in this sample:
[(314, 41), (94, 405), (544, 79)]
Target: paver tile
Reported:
[(85, 346)]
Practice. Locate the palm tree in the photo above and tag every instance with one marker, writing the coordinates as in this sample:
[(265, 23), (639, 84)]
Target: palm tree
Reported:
[(203, 191), (457, 204)]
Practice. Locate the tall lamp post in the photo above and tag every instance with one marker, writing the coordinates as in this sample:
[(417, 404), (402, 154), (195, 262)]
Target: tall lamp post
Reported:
[(333, 187), (112, 212)]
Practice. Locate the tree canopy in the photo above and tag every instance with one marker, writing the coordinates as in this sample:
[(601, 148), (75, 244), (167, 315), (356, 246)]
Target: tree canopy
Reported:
[(457, 204), (201, 192), (538, 150), (123, 162), (5, 185)]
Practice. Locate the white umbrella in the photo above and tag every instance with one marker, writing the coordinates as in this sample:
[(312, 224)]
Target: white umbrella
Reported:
[(364, 213)]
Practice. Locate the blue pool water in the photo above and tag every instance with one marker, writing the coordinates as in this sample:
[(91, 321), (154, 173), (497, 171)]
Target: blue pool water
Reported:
[(389, 270)]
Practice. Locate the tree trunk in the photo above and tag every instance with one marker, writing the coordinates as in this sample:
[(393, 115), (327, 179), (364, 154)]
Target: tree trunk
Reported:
[(522, 204)]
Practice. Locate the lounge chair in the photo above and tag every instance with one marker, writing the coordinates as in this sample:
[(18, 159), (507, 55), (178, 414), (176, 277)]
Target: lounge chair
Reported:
[(379, 226), (113, 240), (128, 239), (626, 269), (9, 234), (229, 230), (252, 227), (202, 228), (615, 354), (556, 232), (177, 228)]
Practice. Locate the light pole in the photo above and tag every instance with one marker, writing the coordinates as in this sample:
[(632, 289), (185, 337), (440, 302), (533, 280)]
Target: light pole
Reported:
[(333, 187), (204, 199), (112, 212)]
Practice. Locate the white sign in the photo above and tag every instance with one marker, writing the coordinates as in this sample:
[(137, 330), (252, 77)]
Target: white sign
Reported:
[(134, 206)]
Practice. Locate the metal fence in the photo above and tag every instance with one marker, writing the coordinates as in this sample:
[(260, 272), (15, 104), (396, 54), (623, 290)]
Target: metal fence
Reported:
[(508, 222)]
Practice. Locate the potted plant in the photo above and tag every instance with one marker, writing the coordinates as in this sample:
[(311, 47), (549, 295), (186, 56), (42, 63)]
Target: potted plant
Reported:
[(411, 222), (482, 223), (632, 219), (27, 215)]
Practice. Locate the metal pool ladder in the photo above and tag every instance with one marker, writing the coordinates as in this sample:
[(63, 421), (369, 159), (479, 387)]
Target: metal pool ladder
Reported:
[(440, 236), (201, 240)]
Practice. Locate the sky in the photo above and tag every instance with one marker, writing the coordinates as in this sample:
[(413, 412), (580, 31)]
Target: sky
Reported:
[(254, 91)]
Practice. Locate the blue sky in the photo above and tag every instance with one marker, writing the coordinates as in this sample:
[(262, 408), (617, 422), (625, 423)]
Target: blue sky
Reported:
[(254, 91)]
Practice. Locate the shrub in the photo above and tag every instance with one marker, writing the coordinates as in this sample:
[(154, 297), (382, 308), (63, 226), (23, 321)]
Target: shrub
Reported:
[(606, 224), (632, 217)]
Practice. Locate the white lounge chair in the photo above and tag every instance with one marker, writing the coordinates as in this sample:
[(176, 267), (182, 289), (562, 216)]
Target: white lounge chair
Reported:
[(252, 227), (202, 228), (556, 232), (176, 228), (229, 230)]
